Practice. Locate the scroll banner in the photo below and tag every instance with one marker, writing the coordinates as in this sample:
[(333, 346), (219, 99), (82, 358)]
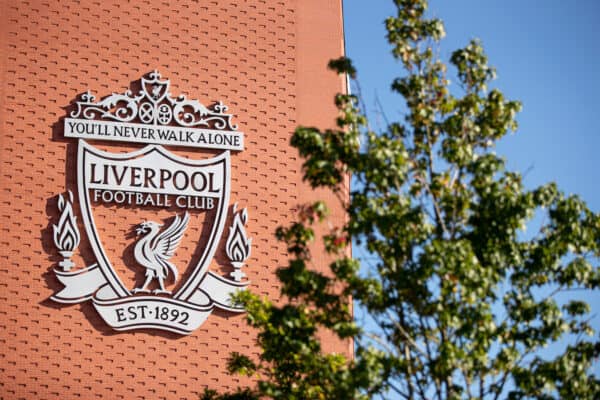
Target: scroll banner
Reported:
[(135, 312)]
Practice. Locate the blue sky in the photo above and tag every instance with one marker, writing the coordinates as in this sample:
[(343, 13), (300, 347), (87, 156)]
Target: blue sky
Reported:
[(547, 55)]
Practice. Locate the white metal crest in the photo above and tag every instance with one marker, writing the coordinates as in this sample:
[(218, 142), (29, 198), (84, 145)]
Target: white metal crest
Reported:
[(152, 177)]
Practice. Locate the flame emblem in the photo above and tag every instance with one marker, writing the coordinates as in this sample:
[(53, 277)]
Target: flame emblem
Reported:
[(238, 245), (66, 234)]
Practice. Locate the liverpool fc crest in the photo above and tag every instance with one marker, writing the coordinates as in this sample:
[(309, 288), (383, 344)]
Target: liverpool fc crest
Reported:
[(154, 220)]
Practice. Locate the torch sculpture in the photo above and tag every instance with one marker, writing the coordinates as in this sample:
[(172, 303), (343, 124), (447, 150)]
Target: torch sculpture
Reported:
[(238, 245), (66, 234)]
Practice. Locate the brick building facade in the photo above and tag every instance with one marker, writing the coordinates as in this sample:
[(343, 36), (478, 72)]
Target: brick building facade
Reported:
[(265, 59)]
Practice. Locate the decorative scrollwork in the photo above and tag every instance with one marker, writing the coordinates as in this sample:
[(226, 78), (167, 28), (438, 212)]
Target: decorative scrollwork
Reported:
[(154, 105)]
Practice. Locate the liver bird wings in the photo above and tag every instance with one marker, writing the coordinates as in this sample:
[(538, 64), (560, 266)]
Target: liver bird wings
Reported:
[(165, 244)]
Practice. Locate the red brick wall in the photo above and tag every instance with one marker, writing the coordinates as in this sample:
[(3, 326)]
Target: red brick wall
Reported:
[(265, 59)]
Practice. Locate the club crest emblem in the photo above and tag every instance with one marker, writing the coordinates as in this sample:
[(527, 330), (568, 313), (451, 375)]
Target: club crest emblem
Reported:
[(154, 220)]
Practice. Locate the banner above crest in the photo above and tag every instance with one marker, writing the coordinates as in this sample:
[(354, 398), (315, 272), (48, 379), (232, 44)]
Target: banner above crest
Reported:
[(153, 116)]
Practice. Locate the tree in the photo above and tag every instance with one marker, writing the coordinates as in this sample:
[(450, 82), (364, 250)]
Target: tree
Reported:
[(460, 299)]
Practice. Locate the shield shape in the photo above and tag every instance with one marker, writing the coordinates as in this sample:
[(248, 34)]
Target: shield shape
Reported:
[(155, 89), (154, 178)]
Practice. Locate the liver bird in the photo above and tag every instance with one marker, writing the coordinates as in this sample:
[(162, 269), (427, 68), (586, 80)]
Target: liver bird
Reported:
[(156, 89), (154, 249)]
